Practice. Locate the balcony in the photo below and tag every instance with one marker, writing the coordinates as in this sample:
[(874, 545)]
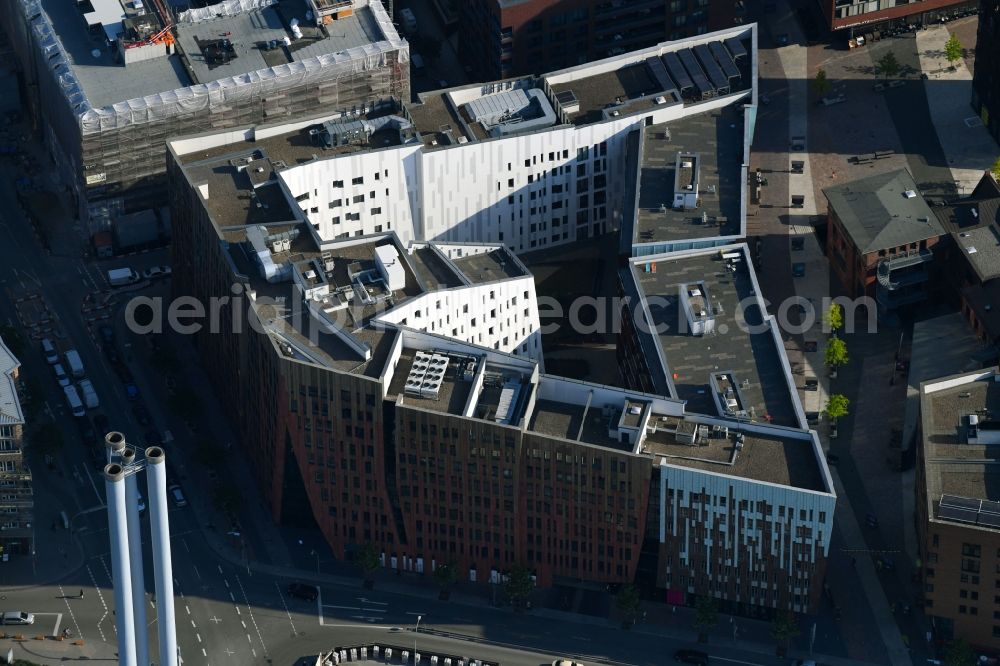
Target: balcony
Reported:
[(891, 274)]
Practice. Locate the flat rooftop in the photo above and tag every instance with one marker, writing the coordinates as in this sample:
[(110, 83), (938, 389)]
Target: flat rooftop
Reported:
[(299, 334), (230, 174), (435, 271), (576, 423), (717, 138), (637, 86), (203, 58), (952, 465), (491, 266), (438, 122), (250, 32), (740, 344), (786, 461)]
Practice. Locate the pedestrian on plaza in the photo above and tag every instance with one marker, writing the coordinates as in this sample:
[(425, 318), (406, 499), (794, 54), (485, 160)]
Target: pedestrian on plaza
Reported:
[(81, 593)]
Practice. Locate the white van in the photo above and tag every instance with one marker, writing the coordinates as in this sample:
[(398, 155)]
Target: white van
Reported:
[(50, 351), (74, 402)]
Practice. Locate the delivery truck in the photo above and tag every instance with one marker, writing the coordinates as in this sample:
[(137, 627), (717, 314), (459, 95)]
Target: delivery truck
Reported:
[(90, 398), (74, 363)]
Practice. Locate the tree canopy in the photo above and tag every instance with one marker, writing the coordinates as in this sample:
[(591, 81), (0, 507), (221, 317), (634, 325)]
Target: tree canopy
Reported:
[(836, 352), (953, 50), (836, 406), (821, 84), (887, 65)]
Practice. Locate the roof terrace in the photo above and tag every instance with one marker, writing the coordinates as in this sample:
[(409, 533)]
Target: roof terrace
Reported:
[(498, 264)]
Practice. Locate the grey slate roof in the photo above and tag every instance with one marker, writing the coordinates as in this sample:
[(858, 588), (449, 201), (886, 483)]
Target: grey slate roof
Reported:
[(978, 235), (877, 215)]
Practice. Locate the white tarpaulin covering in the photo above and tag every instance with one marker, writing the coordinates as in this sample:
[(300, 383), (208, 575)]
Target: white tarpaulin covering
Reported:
[(224, 8), (207, 96)]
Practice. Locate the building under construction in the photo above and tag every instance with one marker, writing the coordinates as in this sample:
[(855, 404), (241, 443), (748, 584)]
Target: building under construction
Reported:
[(111, 80)]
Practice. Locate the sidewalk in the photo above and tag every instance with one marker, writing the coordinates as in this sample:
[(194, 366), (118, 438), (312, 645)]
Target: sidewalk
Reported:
[(968, 146)]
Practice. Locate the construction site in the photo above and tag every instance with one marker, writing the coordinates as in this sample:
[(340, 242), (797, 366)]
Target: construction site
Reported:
[(109, 81)]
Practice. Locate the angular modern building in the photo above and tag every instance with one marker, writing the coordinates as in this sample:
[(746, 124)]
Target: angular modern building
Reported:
[(17, 534), (986, 79), (505, 38), (109, 82), (958, 506), (379, 340)]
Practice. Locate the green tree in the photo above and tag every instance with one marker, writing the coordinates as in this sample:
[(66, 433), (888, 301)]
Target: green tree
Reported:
[(953, 50), (519, 586), (995, 169), (836, 352), (706, 617), (887, 65), (445, 575), (367, 558), (960, 654), (628, 602), (821, 84), (48, 439), (833, 318), (784, 628), (836, 406)]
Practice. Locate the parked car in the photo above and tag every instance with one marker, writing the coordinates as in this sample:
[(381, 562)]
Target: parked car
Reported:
[(131, 391), (50, 350), (177, 496), (61, 375), (566, 662), (141, 414), (112, 354), (87, 432), (691, 657), (834, 430), (812, 384), (17, 617), (833, 458), (303, 591), (798, 269), (141, 502), (156, 271)]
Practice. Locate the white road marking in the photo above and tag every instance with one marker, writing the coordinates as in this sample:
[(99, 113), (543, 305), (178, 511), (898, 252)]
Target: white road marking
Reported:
[(71, 615), (203, 653), (735, 661), (250, 611), (188, 609), (226, 583), (219, 567), (198, 636), (193, 625), (232, 597), (55, 631), (355, 608), (413, 613), (86, 472), (369, 601), (215, 620), (282, 596), (196, 572), (244, 624), (100, 596)]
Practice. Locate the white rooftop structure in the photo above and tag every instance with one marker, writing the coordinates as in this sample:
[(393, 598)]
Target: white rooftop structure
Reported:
[(10, 406)]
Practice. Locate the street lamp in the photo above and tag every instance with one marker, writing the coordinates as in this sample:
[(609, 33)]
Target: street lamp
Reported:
[(415, 632), (314, 552)]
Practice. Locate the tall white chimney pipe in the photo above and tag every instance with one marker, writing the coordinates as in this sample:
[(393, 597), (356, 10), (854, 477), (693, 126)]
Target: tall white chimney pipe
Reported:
[(135, 557), (114, 487), (163, 572)]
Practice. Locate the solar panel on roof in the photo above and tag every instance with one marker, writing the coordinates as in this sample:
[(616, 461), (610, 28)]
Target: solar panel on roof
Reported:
[(989, 519), (735, 47), (659, 71), (677, 71), (698, 77), (961, 502), (715, 75), (725, 60), (566, 97), (990, 507), (956, 513)]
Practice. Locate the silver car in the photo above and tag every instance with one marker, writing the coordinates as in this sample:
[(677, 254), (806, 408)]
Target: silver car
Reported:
[(17, 617)]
